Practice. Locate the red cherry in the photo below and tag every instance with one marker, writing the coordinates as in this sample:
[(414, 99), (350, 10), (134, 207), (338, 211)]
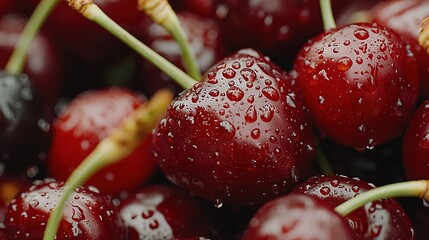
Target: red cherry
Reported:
[(415, 144), (88, 119), (166, 212), (359, 83), (405, 17), (87, 215), (381, 219), (297, 216), (241, 135)]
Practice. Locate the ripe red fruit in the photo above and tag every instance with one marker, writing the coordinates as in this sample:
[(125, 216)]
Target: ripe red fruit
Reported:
[(87, 215), (87, 120), (381, 219), (241, 135), (297, 216), (359, 83), (166, 212)]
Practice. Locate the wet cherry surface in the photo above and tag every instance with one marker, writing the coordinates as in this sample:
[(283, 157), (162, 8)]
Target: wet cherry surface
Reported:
[(88, 214), (359, 82), (381, 219), (240, 135)]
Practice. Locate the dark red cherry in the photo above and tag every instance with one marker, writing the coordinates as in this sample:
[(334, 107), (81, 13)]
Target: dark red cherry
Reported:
[(359, 83), (43, 65), (204, 8), (88, 119), (297, 216), (166, 212), (415, 144), (8, 6), (405, 17), (240, 136), (381, 219), (88, 214), (205, 40)]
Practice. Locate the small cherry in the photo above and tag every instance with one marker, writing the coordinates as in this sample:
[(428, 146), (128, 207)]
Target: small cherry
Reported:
[(381, 219), (359, 83), (88, 213), (297, 216)]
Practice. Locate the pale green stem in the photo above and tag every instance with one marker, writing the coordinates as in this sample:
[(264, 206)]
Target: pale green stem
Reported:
[(323, 161), (402, 189), (327, 15), (17, 60), (119, 144), (94, 13)]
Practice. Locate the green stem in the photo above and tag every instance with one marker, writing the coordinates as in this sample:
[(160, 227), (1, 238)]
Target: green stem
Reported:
[(323, 161), (119, 144), (163, 14), (17, 60), (94, 13), (403, 189), (327, 15)]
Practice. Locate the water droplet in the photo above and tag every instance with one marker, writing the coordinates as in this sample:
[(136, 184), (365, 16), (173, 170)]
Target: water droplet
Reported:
[(383, 47), (249, 62), (375, 230), (424, 142), (34, 203), (361, 128), (251, 99), (346, 42), (250, 115), (228, 73), (271, 93), (248, 74), (236, 65), (267, 113), (218, 203), (335, 183), (355, 188), (361, 33), (325, 190), (321, 100), (371, 144), (147, 214), (344, 63), (77, 214), (194, 98), (255, 133), (154, 224), (234, 94), (273, 139), (359, 60), (214, 93), (229, 129)]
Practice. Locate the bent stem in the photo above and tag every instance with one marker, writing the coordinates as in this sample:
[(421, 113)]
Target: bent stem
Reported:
[(423, 37), (16, 62), (161, 12), (403, 189), (119, 144), (327, 15), (92, 12)]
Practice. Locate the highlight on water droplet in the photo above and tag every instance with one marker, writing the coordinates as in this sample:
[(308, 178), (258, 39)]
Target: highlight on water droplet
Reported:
[(361, 33), (344, 63), (234, 94)]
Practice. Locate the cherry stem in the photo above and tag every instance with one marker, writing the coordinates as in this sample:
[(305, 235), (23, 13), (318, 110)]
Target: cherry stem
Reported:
[(323, 162), (418, 188), (119, 144), (327, 15), (92, 12), (162, 13), (423, 37), (16, 62)]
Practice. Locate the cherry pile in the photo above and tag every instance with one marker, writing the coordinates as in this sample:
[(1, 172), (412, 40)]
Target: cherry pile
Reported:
[(292, 117)]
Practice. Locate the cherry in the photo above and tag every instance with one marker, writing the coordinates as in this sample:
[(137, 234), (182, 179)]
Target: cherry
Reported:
[(359, 83), (415, 144), (205, 41), (233, 136), (381, 219), (166, 212), (297, 216), (88, 119), (43, 65), (88, 213), (405, 17)]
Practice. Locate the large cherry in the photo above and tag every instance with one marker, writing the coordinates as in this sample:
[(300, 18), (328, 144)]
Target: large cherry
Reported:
[(381, 219), (297, 216), (359, 82), (405, 17), (241, 135), (166, 212), (88, 119), (88, 213)]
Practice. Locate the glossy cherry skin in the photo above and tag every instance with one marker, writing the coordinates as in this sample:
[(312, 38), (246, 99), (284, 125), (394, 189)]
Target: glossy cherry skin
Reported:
[(205, 41), (239, 136), (166, 212), (405, 18), (43, 65), (297, 216), (381, 219), (88, 119), (88, 214), (359, 83), (415, 144)]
